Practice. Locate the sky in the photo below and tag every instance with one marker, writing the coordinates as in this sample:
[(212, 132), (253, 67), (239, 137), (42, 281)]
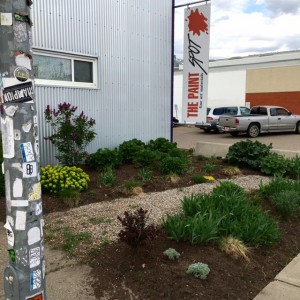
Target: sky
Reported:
[(246, 27)]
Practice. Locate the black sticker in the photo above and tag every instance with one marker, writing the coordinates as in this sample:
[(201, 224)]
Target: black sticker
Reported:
[(18, 93), (21, 74)]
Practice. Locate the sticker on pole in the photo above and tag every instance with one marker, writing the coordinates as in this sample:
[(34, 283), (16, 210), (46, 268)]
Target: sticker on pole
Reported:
[(36, 297), (18, 93), (27, 152), (35, 279), (29, 170)]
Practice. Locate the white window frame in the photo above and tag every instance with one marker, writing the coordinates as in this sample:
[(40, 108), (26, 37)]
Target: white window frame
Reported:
[(71, 57)]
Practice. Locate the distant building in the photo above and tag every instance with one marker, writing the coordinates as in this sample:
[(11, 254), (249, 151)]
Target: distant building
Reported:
[(265, 79)]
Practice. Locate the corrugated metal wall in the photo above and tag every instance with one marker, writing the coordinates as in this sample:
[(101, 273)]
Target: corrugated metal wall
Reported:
[(132, 40)]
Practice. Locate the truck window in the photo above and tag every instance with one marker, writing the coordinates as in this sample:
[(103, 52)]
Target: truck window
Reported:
[(263, 111), (273, 112), (245, 111), (218, 111), (281, 112)]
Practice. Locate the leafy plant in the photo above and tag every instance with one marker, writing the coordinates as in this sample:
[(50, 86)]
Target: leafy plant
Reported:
[(70, 197), (71, 133), (172, 254), (105, 158), (161, 145), (135, 229), (199, 270), (129, 149), (274, 164), (199, 179), (145, 174), (294, 167), (247, 153), (276, 186), (144, 157), (58, 179), (231, 171), (209, 167), (108, 178), (287, 203), (174, 165), (131, 185), (72, 241)]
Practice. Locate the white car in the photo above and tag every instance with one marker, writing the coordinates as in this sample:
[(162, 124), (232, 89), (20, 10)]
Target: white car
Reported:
[(213, 114)]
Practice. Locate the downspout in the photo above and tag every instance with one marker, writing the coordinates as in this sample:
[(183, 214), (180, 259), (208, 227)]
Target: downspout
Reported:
[(172, 69)]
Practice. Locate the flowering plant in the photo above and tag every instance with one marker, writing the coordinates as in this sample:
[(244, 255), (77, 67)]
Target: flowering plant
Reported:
[(71, 134), (57, 179)]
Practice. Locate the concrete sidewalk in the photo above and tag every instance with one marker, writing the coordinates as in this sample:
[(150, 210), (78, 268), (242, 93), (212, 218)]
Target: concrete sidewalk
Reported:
[(286, 285)]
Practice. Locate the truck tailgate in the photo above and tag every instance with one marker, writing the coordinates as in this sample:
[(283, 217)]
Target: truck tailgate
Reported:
[(227, 121)]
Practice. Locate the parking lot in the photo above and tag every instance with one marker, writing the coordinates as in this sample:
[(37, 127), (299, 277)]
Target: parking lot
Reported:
[(188, 136)]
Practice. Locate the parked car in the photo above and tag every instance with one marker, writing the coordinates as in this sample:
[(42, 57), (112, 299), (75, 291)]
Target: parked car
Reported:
[(213, 114), (262, 119)]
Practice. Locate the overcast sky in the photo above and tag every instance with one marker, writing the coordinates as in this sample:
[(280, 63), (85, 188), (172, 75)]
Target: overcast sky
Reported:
[(245, 27)]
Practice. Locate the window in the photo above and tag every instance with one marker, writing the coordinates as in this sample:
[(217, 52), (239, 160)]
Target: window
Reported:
[(64, 70)]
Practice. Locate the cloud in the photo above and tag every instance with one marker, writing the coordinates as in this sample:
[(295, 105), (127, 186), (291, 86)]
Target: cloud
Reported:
[(244, 27)]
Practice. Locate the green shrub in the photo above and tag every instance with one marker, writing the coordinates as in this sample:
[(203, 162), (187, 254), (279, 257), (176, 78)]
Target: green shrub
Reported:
[(225, 211), (161, 145), (286, 203), (209, 167), (276, 186), (108, 178), (294, 167), (55, 179), (172, 254), (144, 158), (199, 179), (129, 149), (247, 153), (105, 158), (130, 184), (199, 270), (175, 165), (274, 164)]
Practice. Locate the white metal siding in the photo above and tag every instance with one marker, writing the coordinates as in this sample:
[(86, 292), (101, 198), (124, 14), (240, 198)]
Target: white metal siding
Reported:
[(132, 40)]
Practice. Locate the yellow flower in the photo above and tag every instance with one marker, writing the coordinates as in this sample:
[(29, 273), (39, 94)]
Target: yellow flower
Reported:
[(209, 178)]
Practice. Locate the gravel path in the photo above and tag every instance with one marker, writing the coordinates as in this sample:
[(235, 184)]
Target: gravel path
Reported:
[(100, 219)]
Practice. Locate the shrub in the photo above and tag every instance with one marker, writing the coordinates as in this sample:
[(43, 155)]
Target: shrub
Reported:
[(286, 203), (276, 186), (274, 164), (199, 270), (231, 171), (135, 229), (144, 158), (105, 158), (209, 167), (130, 184), (294, 167), (161, 145), (199, 179), (129, 149), (71, 133), (172, 254), (174, 165), (247, 153), (108, 178), (56, 179)]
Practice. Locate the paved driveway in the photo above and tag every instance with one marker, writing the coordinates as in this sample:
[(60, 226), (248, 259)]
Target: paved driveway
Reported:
[(188, 136)]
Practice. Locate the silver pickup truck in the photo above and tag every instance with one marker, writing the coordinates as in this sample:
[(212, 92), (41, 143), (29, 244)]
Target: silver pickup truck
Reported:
[(262, 119)]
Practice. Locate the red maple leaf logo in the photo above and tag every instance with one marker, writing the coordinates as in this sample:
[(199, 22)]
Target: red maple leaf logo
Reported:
[(197, 22)]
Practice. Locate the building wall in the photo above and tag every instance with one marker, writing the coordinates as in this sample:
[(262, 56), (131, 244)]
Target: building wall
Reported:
[(274, 86), (132, 40)]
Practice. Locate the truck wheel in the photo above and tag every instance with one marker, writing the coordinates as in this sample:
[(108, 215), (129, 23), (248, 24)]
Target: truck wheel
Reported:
[(253, 130), (206, 130), (298, 127)]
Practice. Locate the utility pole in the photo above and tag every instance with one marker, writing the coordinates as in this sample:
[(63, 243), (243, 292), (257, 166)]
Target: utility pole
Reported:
[(24, 277)]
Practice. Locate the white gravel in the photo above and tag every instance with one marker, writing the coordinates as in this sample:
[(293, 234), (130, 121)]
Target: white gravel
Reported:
[(100, 219)]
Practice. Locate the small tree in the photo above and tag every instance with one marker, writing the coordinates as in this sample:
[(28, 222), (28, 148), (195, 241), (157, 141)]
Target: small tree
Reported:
[(71, 133)]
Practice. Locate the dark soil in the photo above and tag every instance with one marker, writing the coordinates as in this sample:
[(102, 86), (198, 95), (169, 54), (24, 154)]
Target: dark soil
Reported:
[(145, 273)]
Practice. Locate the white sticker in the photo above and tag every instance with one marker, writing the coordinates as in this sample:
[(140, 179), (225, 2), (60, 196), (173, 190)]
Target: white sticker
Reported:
[(6, 19), (10, 234), (18, 188), (8, 82), (35, 120), (36, 193), (17, 166), (34, 235), (22, 257), (29, 170), (10, 220), (35, 279), (27, 152), (8, 144), (17, 134), (36, 147), (7, 190), (19, 203), (23, 60), (27, 126), (38, 208), (42, 227), (34, 257), (44, 268), (20, 220), (11, 110)]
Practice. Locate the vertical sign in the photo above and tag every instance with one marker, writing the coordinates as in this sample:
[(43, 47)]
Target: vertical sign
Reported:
[(196, 61), (24, 277)]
